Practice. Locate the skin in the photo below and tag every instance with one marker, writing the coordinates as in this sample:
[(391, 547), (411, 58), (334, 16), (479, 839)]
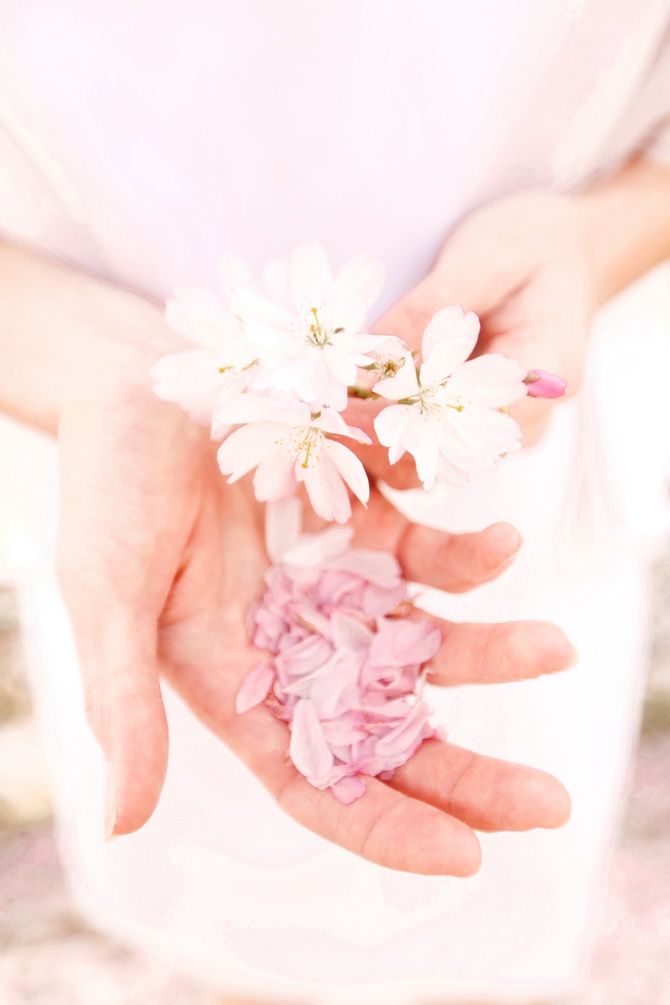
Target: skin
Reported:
[(535, 266), (159, 558)]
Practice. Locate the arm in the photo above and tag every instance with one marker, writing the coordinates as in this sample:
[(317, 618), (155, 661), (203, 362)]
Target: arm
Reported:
[(68, 337), (627, 224)]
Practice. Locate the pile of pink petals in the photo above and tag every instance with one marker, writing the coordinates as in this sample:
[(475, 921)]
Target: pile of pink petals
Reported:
[(346, 668)]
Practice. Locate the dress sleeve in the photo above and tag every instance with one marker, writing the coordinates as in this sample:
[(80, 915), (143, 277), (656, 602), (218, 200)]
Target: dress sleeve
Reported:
[(654, 103)]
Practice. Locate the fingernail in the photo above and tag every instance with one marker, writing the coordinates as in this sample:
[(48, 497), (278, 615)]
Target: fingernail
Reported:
[(504, 539), (110, 808)]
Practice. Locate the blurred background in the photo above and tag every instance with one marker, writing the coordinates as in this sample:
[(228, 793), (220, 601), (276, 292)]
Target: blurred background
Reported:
[(49, 954)]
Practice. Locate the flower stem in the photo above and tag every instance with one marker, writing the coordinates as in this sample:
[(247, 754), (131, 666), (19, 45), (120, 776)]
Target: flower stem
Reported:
[(354, 391)]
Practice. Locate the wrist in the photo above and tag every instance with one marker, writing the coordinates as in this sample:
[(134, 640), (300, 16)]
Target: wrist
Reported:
[(67, 337), (626, 225)]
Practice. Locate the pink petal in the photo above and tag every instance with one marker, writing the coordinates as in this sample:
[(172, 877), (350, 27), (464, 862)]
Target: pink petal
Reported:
[(303, 658), (308, 749), (348, 789), (398, 745), (401, 642), (303, 685), (347, 633), (254, 688), (379, 567)]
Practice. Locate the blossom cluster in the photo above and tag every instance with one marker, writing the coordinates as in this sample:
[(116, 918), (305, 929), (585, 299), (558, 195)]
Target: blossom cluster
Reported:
[(274, 366), (347, 656)]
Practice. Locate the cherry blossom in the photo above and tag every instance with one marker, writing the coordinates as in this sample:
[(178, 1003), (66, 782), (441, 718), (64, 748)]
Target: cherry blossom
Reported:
[(291, 446), (197, 379), (279, 361), (449, 417), (307, 325)]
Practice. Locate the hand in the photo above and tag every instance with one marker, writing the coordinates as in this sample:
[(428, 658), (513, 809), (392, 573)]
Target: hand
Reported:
[(159, 560), (524, 264)]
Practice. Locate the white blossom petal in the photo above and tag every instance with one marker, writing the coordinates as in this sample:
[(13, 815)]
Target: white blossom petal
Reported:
[(312, 549), (274, 478), (447, 341), (283, 520), (488, 431), (326, 489), (362, 276), (492, 380), (246, 447), (420, 440), (390, 425), (199, 317), (191, 379), (253, 407), (341, 365), (276, 283), (311, 278), (252, 307), (233, 273), (404, 384), (350, 468), (331, 421)]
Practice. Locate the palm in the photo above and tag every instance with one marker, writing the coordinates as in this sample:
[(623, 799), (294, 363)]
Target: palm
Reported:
[(181, 556)]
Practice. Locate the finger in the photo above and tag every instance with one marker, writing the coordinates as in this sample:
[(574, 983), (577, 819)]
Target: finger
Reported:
[(544, 326), (496, 654), (383, 826), (103, 566), (457, 562), (535, 414), (484, 792), (387, 827), (124, 706)]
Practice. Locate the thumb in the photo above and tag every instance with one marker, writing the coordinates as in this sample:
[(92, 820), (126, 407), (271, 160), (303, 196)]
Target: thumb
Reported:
[(123, 702), (103, 569)]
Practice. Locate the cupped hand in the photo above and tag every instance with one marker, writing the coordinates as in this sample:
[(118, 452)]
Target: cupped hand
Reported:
[(524, 265), (159, 560)]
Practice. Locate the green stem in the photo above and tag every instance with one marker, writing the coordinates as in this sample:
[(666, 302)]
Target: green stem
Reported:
[(355, 391)]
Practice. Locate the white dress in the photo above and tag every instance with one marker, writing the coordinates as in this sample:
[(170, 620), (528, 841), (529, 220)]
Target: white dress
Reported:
[(142, 142)]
